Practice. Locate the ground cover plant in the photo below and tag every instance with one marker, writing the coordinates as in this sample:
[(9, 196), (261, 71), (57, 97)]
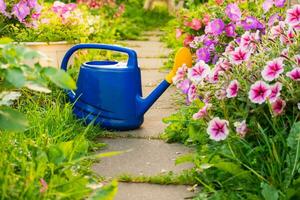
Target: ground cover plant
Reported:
[(242, 104)]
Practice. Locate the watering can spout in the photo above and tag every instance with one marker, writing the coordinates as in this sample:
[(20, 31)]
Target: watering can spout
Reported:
[(183, 56)]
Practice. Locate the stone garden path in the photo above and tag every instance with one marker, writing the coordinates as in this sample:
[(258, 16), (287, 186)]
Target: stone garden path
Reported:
[(147, 155)]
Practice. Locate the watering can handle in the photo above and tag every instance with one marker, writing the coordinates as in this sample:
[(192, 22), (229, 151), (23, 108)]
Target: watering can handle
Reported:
[(132, 57)]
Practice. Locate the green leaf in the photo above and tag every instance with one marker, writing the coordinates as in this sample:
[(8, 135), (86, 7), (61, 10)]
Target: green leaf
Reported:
[(294, 136), (231, 168), (105, 193), (16, 77), (7, 98), (60, 78), (12, 120), (55, 155), (185, 158), (269, 192)]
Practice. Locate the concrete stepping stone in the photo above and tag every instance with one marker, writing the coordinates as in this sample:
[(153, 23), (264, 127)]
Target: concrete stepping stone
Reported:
[(146, 157), (152, 126), (151, 78), (165, 100), (149, 49), (151, 63), (141, 191)]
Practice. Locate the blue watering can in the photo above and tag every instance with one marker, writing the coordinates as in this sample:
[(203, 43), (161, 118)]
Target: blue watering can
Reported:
[(109, 93)]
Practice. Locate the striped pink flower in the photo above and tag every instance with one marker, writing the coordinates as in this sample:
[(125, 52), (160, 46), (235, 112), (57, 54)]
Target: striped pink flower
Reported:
[(294, 74), (202, 112), (259, 92), (239, 55), (293, 16), (232, 89), (198, 72), (275, 91), (273, 69), (278, 107), (218, 129)]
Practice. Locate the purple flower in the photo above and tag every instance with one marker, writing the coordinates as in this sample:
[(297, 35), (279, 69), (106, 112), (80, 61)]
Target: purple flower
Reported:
[(3, 8), (32, 3), (230, 30), (252, 23), (279, 3), (267, 5), (21, 10), (274, 18), (233, 12), (203, 54), (215, 27)]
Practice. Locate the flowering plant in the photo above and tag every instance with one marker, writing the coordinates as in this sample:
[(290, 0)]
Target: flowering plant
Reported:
[(22, 13), (245, 109)]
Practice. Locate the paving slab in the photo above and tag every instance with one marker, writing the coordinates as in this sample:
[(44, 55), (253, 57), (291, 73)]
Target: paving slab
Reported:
[(141, 191), (151, 78), (152, 126), (151, 63), (165, 100), (149, 49), (145, 157)]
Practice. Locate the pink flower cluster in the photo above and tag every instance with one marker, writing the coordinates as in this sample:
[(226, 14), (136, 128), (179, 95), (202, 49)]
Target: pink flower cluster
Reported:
[(96, 4), (25, 11), (64, 11), (238, 77)]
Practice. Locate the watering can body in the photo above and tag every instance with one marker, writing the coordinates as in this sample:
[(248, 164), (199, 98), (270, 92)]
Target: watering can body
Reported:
[(109, 93)]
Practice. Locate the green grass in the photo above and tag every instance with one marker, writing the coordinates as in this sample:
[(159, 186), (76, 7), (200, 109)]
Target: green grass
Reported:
[(186, 177), (52, 150), (136, 20)]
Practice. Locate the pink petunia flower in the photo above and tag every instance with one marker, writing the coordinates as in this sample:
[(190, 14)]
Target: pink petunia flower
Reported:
[(273, 69), (293, 16), (275, 91), (233, 12), (294, 74), (259, 92), (199, 72), (232, 89), (229, 48), (230, 30), (267, 5), (239, 55), (178, 33), (202, 112), (278, 107), (184, 86), (44, 185), (192, 93), (188, 39), (3, 8), (21, 11), (180, 74), (195, 24), (206, 19), (241, 128), (218, 129), (215, 27)]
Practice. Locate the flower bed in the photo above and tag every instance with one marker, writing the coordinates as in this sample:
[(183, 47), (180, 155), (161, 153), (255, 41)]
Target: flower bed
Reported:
[(242, 97)]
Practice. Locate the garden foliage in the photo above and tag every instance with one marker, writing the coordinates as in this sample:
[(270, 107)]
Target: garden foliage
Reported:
[(242, 97)]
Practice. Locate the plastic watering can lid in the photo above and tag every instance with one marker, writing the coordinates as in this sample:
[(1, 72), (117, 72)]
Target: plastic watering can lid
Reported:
[(105, 64)]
